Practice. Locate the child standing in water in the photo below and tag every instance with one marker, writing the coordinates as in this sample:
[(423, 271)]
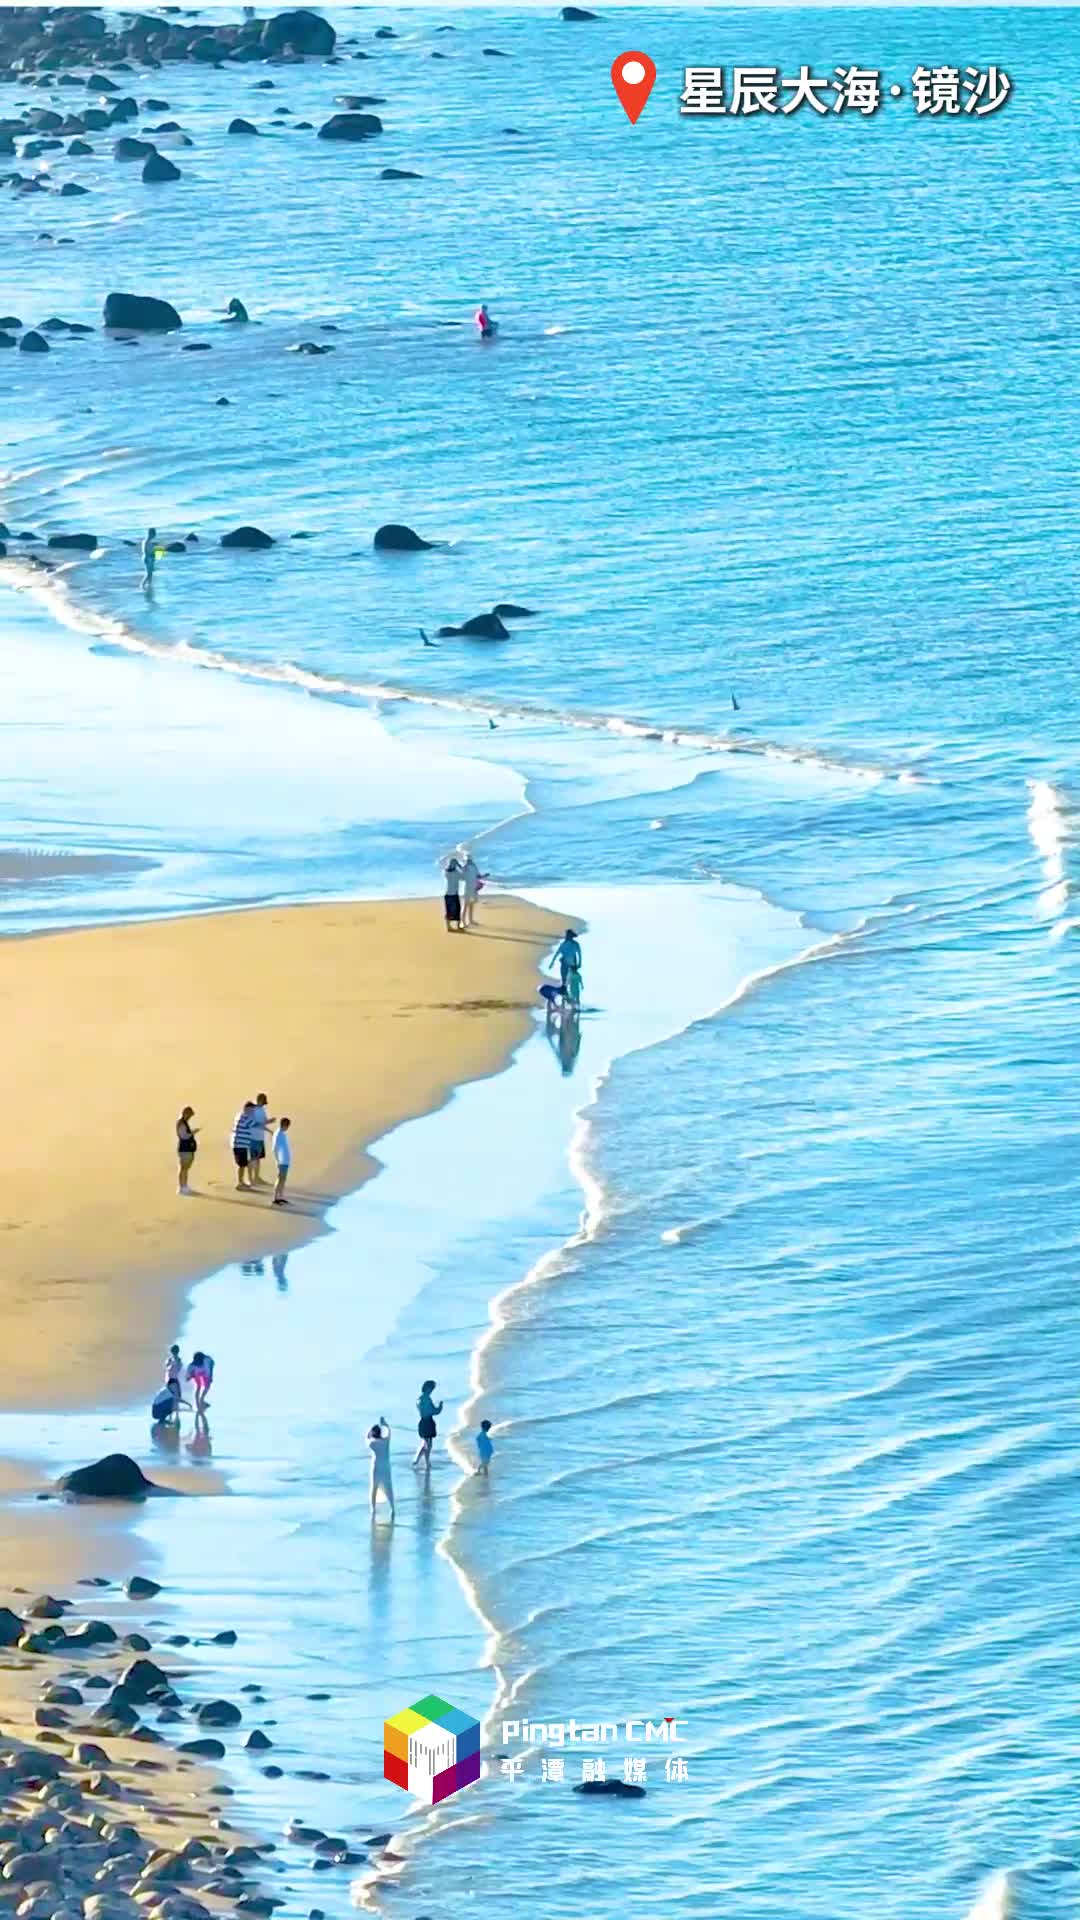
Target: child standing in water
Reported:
[(484, 1447), (381, 1482)]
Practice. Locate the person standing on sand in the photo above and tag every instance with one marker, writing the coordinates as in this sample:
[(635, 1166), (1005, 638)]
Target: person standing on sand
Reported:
[(149, 557), (282, 1160), (241, 1145), (260, 1120), (452, 894), (186, 1147), (471, 882), (381, 1482), (426, 1428), (568, 955), (174, 1366)]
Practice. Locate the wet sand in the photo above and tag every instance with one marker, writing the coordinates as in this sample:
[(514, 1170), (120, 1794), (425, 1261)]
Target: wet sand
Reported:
[(352, 1017)]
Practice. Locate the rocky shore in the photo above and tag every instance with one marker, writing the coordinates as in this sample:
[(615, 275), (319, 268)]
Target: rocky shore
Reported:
[(101, 1817)]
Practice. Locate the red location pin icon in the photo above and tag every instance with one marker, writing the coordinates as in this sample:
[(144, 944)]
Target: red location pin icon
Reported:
[(632, 76)]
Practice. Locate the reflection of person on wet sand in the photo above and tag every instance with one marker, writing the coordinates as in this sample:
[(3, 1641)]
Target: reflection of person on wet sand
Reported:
[(199, 1444)]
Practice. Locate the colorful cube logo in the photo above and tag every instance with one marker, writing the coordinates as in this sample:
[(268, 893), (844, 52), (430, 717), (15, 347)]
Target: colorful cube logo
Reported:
[(431, 1749)]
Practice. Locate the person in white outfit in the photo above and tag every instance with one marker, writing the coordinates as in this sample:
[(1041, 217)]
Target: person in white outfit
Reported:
[(471, 878), (381, 1482)]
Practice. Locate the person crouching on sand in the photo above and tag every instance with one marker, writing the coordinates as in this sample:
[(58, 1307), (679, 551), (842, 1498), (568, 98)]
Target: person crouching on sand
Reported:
[(167, 1403), (381, 1482), (426, 1428), (282, 1159), (186, 1148)]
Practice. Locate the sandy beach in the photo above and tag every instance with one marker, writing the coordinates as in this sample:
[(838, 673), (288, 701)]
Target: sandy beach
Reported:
[(352, 1017)]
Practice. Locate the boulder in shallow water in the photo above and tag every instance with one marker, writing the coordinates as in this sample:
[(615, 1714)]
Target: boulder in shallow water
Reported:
[(204, 1749), (77, 543), (611, 1789), (578, 13), (141, 312), (11, 1627), (128, 148), (7, 340), (34, 343), (241, 126), (251, 538), (485, 626), (399, 173), (71, 190), (116, 1477), (300, 31), (157, 167), (393, 538), (218, 1713), (351, 127), (506, 610)]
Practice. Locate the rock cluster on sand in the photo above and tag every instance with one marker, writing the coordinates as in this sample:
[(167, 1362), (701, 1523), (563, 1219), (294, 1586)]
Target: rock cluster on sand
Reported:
[(48, 39)]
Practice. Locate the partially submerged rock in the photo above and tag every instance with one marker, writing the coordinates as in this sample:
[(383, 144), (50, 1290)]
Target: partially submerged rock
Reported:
[(485, 626), (251, 538), (116, 1477), (394, 538), (351, 126), (143, 313)]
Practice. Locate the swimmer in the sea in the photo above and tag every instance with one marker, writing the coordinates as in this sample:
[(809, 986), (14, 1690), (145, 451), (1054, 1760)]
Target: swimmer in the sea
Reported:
[(485, 325)]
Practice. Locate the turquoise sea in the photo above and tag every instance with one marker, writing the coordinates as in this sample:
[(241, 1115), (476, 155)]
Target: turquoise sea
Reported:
[(785, 1358)]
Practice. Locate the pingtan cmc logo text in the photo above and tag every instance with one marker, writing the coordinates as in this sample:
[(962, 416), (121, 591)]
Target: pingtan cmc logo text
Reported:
[(431, 1749)]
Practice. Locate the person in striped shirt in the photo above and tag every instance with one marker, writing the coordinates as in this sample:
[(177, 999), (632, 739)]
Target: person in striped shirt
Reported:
[(241, 1145)]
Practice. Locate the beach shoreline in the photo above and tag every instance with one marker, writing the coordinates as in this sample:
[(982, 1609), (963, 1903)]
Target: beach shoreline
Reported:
[(354, 1018)]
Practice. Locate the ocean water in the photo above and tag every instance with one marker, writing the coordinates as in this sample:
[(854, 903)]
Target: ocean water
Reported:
[(783, 411)]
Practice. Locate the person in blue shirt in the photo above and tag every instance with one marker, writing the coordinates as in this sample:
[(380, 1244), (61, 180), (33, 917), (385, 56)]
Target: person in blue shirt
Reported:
[(568, 955), (484, 1447)]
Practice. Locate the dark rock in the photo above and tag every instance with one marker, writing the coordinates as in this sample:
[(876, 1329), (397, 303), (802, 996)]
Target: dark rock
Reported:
[(273, 1773), (142, 1680), (155, 106), (351, 126), (46, 1607), (75, 543), (169, 126), (494, 53), (122, 110), (506, 610), (209, 50), (44, 120), (223, 402), (50, 1717), (79, 148), (385, 33), (399, 173), (115, 1715), (88, 1755), (7, 340), (236, 310), (299, 31), (9, 323), (71, 190), (617, 1789), (128, 148), (310, 347), (578, 13), (179, 1639), (226, 1638), (97, 1683), (56, 1695), (264, 86), (95, 119), (257, 1741), (143, 314), (139, 1588), (218, 1713), (204, 1749), (241, 126), (356, 102), (252, 538), (171, 546), (393, 538), (92, 1633), (33, 343), (137, 1642), (485, 626), (197, 346), (159, 168)]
